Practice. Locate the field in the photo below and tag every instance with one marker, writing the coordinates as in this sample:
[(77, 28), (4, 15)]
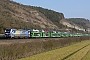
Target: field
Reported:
[(87, 56), (12, 49), (79, 51)]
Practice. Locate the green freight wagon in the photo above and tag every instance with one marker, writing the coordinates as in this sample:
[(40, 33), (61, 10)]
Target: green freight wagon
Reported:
[(46, 34), (36, 34)]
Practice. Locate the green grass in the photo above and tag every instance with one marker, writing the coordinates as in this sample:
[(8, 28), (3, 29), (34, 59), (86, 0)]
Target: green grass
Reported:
[(67, 53)]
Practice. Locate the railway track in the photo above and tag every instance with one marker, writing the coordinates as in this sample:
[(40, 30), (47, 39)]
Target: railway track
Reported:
[(4, 40), (10, 41)]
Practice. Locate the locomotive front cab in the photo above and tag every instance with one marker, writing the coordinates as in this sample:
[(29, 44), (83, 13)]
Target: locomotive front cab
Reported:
[(7, 33)]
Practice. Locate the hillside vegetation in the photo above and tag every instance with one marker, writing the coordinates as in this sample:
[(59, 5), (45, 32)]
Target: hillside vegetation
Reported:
[(16, 15), (55, 17), (82, 22)]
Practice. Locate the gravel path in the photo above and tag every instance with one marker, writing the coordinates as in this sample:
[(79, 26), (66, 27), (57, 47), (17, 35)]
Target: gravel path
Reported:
[(11, 41)]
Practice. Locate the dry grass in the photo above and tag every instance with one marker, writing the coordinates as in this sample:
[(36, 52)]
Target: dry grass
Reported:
[(80, 54), (87, 56), (69, 52), (16, 49)]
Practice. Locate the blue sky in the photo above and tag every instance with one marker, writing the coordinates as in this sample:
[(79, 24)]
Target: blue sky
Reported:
[(70, 8)]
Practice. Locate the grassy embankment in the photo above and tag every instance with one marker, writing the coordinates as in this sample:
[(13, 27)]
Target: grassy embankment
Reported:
[(73, 52), (18, 50)]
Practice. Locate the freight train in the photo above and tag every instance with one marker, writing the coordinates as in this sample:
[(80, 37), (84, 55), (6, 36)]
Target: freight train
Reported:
[(34, 33)]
